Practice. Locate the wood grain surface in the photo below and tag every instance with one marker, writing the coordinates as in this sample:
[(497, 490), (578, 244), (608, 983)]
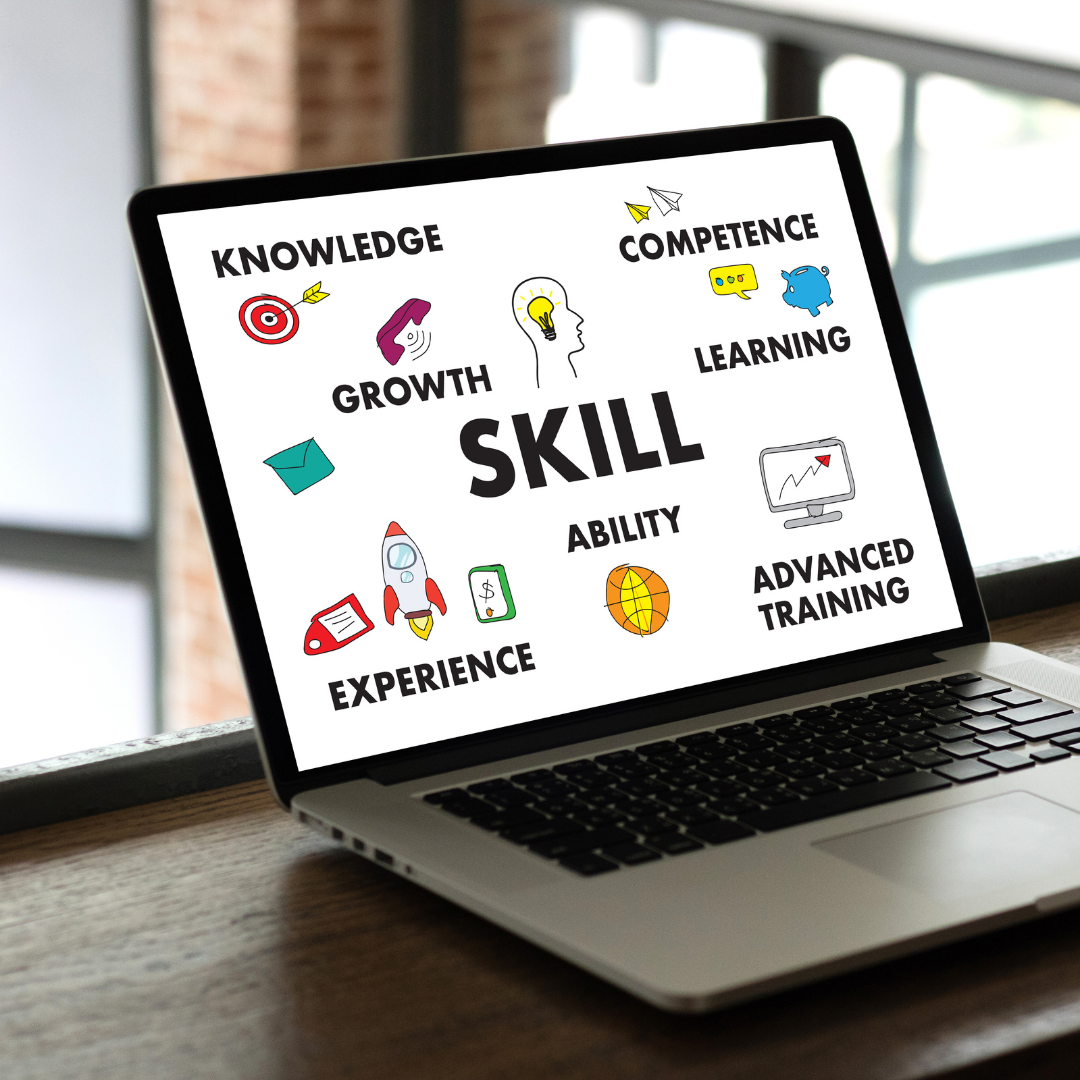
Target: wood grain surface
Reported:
[(211, 936)]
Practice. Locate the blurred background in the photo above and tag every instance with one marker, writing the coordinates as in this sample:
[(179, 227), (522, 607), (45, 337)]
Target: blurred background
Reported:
[(111, 622)]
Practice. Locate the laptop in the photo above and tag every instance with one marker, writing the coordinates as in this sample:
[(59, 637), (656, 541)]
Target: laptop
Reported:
[(591, 560)]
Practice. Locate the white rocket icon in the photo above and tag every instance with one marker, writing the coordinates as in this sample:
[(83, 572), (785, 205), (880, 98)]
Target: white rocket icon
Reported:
[(408, 587)]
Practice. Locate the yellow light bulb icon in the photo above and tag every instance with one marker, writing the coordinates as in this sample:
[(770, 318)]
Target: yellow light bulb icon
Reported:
[(540, 309)]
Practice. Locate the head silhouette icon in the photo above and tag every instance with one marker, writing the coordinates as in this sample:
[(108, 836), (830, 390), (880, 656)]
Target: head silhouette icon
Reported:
[(553, 328)]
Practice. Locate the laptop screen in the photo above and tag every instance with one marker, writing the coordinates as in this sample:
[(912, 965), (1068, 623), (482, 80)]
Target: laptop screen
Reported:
[(509, 448)]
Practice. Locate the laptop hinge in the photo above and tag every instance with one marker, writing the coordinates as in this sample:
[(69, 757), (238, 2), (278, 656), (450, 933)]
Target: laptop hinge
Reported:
[(499, 748)]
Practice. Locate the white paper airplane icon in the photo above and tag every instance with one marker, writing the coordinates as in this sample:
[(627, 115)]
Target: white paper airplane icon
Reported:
[(666, 201)]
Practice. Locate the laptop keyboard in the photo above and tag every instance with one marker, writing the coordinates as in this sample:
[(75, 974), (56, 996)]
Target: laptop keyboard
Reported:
[(596, 814)]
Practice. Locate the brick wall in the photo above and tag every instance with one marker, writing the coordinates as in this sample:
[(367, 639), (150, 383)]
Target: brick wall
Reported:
[(254, 86)]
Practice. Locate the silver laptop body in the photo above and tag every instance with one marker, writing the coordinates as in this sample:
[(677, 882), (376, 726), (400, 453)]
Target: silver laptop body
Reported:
[(429, 408)]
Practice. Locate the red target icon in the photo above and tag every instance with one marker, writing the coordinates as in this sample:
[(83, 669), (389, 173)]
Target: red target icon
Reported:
[(269, 319)]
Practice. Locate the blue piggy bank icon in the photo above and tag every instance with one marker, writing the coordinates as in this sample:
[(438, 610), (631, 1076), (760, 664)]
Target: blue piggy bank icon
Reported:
[(808, 287)]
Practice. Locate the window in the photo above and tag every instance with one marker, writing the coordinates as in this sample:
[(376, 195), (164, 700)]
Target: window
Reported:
[(75, 421)]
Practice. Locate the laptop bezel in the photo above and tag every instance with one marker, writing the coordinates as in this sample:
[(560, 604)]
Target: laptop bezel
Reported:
[(182, 378)]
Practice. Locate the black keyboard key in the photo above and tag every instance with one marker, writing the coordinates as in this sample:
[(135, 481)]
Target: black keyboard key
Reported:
[(743, 728), (559, 847), (1028, 714), (533, 776), (950, 715), (852, 777), (800, 770), (589, 781), (747, 742), (958, 680), (552, 789), (1015, 698), (588, 865), (467, 807), (691, 816), (722, 789), (930, 687), (984, 724), (679, 799), (865, 716), (814, 785), (911, 743), (977, 688), (488, 787), (1007, 761), (774, 796), (815, 712), (841, 802), (761, 779), (967, 749), (699, 738), (675, 844), (514, 796), (1048, 729), (876, 733), (736, 805), (710, 752), (770, 722), (644, 787), (719, 832), (632, 854), (763, 759), (783, 735), (438, 797), (653, 826), (878, 751), (667, 761), (684, 778), (899, 708), (721, 770), (561, 807), (597, 819), (800, 750), (616, 757), (627, 770), (949, 733), (851, 704), (927, 759), (911, 724), (1051, 753), (507, 819), (983, 706), (570, 768), (604, 797), (826, 725), (934, 701), (888, 695), (840, 760), (542, 830), (836, 742), (999, 740), (964, 771), (638, 808), (889, 769)]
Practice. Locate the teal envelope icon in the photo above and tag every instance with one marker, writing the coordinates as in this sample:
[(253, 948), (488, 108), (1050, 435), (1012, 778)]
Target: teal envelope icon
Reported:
[(301, 465)]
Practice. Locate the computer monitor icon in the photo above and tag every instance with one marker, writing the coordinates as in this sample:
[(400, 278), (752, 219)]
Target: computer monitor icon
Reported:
[(809, 475)]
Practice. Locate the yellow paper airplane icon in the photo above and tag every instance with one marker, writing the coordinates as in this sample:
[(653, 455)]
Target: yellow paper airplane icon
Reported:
[(638, 213)]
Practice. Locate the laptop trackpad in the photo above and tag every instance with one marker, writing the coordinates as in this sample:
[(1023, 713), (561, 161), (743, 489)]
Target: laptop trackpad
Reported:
[(980, 847)]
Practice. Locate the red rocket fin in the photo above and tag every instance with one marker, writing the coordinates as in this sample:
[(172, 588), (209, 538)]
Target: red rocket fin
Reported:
[(390, 603), (434, 595)]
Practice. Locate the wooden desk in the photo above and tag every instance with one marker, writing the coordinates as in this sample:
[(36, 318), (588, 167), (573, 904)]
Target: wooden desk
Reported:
[(211, 936)]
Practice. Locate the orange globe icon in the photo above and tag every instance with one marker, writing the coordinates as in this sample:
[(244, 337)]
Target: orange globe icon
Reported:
[(638, 599)]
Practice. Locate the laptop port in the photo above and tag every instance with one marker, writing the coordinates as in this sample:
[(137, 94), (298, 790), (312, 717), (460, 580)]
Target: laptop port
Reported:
[(358, 845), (337, 834), (384, 857)]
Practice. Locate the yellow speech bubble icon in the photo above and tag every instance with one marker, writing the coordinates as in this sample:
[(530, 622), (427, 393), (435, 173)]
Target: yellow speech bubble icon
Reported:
[(733, 279)]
